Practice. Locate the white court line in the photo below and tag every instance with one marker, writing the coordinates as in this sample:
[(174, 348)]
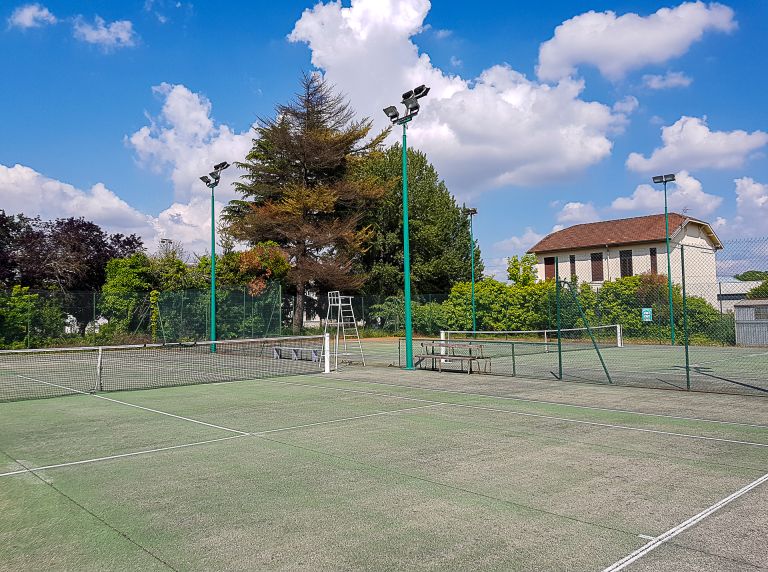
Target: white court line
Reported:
[(137, 406), (535, 415), (121, 456), (674, 531), (574, 406)]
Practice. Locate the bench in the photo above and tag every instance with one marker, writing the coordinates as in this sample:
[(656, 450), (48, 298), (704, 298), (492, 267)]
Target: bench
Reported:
[(296, 353), (453, 352)]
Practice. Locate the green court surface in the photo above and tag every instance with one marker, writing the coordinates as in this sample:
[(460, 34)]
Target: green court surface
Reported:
[(383, 469)]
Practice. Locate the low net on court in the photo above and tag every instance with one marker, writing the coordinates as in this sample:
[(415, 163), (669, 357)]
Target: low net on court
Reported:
[(606, 336), (34, 374)]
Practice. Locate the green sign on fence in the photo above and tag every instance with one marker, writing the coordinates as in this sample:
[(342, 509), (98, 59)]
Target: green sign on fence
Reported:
[(647, 314)]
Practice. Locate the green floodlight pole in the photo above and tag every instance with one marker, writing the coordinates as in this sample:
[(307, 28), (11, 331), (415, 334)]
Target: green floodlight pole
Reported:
[(666, 179), (410, 101), (212, 183), (471, 212)]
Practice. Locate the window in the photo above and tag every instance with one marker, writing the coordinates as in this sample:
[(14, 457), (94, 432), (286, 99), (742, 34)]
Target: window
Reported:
[(654, 262), (597, 266), (625, 260), (572, 259), (761, 312), (549, 268)]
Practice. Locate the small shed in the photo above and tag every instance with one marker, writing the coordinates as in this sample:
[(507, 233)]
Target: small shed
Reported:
[(751, 322)]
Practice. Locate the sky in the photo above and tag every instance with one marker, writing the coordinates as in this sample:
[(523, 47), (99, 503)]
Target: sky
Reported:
[(541, 114)]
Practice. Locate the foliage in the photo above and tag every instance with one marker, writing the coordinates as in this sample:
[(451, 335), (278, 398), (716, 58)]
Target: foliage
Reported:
[(759, 292), (263, 263), (28, 319), (752, 275), (522, 270), (439, 231), (302, 191)]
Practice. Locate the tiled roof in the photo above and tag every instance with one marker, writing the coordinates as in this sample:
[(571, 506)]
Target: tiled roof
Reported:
[(612, 232)]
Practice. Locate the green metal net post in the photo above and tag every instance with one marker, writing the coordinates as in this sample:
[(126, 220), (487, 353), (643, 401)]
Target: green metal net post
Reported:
[(559, 323), (685, 322)]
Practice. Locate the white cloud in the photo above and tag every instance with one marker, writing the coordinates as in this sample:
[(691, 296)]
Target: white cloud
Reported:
[(185, 142), (456, 62), (518, 244), (577, 213), (31, 16), (495, 130), (685, 194), (118, 34), (690, 143), (442, 34), (626, 105), (666, 81), (617, 44), (751, 209)]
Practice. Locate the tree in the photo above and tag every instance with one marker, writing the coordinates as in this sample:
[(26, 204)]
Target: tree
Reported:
[(751, 275), (439, 231), (522, 270), (759, 292), (10, 228), (302, 191)]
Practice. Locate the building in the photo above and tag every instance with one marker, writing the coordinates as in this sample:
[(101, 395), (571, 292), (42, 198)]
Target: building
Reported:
[(600, 251), (751, 322)]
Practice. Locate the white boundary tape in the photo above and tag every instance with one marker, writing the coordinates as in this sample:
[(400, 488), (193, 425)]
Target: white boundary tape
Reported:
[(683, 526)]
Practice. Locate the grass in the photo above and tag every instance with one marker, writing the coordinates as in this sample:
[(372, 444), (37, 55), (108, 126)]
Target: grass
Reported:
[(374, 469)]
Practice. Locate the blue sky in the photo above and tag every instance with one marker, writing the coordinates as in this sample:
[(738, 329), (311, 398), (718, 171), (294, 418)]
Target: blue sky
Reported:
[(541, 114)]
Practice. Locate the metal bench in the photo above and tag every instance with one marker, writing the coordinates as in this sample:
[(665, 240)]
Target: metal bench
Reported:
[(296, 353), (451, 353)]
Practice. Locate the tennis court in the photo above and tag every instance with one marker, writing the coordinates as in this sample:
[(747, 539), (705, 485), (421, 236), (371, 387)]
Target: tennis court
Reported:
[(378, 468)]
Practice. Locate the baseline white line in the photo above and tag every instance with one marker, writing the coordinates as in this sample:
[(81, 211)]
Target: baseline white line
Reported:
[(120, 456), (137, 406), (535, 415), (683, 526), (545, 402), (378, 413)]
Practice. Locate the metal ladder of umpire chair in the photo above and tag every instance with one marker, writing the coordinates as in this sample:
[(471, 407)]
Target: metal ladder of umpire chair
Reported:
[(341, 324)]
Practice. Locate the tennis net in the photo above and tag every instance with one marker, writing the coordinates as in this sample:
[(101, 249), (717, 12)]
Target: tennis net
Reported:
[(35, 374), (535, 341)]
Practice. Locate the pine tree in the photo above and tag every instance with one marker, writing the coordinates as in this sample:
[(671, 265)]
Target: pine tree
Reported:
[(302, 191)]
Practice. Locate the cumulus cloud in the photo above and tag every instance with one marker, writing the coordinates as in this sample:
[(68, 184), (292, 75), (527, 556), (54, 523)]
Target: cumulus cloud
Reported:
[(626, 105), (31, 16), (690, 142), (185, 142), (25, 190), (518, 244), (751, 208), (110, 36), (617, 44), (577, 213), (666, 81), (497, 129), (685, 194)]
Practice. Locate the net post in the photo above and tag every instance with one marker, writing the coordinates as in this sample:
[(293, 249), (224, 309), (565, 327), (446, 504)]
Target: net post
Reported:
[(442, 342), (559, 324), (619, 336), (99, 364), (685, 322), (327, 352), (591, 335), (514, 365)]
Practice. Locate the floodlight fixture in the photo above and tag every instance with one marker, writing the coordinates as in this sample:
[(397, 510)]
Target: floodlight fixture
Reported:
[(420, 91), (392, 113), (215, 175), (412, 105), (205, 179), (221, 166), (470, 211), (658, 179), (668, 178)]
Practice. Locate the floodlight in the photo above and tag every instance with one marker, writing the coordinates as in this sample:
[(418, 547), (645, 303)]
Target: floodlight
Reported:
[(407, 95), (205, 179), (215, 175), (658, 179), (412, 105), (420, 91), (668, 178), (392, 113), (470, 211), (221, 166)]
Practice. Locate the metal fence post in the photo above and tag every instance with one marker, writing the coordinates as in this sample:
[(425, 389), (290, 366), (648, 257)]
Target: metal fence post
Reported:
[(685, 322)]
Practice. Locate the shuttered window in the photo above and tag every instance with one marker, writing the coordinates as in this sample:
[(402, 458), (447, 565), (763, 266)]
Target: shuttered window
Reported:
[(549, 268), (625, 259), (573, 265), (597, 266), (654, 262)]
